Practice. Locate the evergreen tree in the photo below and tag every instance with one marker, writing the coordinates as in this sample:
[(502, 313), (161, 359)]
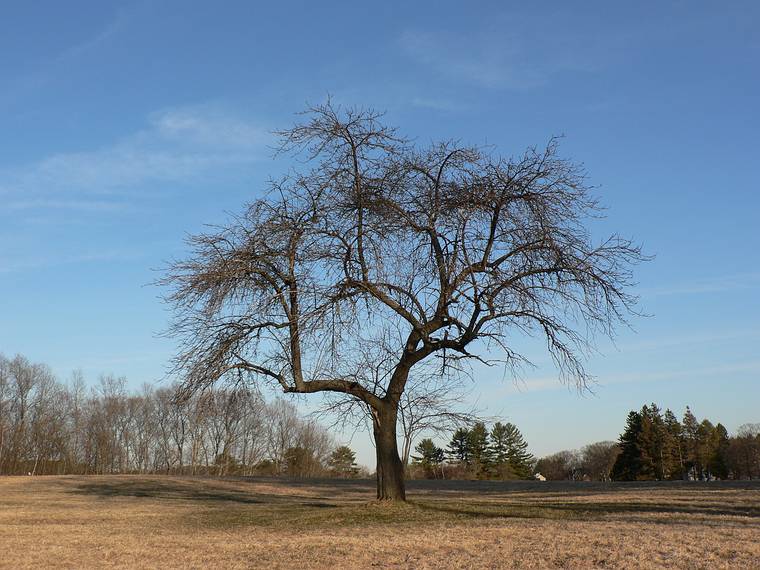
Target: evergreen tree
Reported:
[(647, 445), (691, 444), (509, 452), (628, 464), (660, 435), (480, 450), (720, 452), (704, 448), (342, 462), (459, 450), (652, 442), (673, 447), (430, 457), (499, 450)]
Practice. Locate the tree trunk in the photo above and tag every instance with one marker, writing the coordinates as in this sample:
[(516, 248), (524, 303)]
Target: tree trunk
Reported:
[(390, 469)]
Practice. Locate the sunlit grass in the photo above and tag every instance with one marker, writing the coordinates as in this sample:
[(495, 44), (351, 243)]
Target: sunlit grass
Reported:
[(172, 522)]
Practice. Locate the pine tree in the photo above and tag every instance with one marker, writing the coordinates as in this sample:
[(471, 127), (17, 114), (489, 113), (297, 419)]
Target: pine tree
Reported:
[(342, 462), (459, 450), (647, 444), (480, 450), (628, 464), (500, 452), (660, 438), (653, 444), (691, 444), (720, 446), (430, 457), (673, 447), (706, 448), (509, 452)]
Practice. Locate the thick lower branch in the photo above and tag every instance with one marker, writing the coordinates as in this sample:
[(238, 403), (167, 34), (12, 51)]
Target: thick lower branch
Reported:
[(337, 385)]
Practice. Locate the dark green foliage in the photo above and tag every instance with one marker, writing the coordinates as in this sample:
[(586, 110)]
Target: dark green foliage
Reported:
[(674, 447), (690, 435), (509, 454), (480, 450), (628, 465), (459, 447), (342, 462), (719, 455), (430, 458), (500, 453), (300, 462), (655, 446)]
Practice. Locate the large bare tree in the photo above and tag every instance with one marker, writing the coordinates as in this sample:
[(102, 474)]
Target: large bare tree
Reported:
[(450, 249)]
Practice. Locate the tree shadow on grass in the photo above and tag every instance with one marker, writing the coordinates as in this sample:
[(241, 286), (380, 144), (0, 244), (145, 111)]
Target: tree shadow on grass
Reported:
[(345, 503), (576, 488), (588, 511), (193, 490)]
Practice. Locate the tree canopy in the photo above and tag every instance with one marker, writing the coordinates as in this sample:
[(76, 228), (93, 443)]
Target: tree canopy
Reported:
[(381, 254)]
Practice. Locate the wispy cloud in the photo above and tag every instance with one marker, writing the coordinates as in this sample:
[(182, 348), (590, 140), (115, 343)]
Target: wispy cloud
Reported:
[(437, 104), (545, 383), (718, 284), (688, 339), (9, 265), (496, 59), (71, 205), (752, 367), (38, 75), (182, 144), (478, 61)]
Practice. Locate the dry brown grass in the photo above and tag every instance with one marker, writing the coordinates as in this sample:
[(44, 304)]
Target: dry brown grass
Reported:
[(171, 522)]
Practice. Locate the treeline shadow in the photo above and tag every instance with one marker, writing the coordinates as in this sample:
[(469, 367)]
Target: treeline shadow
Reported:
[(501, 487), (187, 489), (587, 511), (461, 499)]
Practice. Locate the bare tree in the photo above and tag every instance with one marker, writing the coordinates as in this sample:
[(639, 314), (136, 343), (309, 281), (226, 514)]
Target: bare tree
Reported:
[(431, 404), (452, 246), (5, 405), (597, 459)]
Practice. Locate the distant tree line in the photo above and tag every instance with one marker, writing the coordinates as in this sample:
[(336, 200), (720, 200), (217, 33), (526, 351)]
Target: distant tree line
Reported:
[(476, 453), (655, 445), (49, 427)]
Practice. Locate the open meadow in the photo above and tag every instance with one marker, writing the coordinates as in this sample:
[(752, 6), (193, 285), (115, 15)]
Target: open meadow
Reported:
[(181, 522)]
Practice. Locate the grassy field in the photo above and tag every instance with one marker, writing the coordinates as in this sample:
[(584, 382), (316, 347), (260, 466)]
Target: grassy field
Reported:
[(173, 522)]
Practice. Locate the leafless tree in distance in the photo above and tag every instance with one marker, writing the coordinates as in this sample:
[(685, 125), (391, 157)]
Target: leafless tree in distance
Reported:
[(454, 247), (431, 404)]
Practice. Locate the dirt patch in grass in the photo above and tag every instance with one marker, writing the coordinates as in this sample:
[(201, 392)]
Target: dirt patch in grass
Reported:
[(175, 522)]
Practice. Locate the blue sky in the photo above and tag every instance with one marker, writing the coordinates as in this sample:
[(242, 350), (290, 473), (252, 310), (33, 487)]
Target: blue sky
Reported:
[(128, 125)]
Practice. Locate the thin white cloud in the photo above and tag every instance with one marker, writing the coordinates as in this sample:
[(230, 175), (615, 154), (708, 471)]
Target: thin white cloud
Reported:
[(183, 144), (436, 104), (38, 76), (210, 127), (707, 285), (686, 339), (497, 59), (72, 205), (9, 265), (553, 383), (752, 367), (107, 32), (469, 59)]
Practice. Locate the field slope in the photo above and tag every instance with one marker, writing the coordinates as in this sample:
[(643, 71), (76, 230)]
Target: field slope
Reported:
[(175, 522)]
